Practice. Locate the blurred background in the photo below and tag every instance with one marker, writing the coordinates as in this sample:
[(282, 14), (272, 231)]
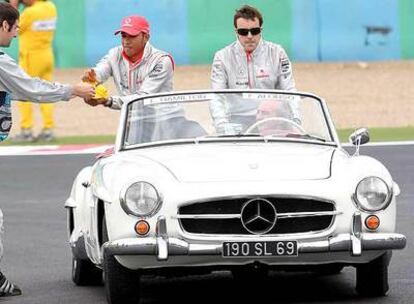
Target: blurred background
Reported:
[(192, 30), (357, 54)]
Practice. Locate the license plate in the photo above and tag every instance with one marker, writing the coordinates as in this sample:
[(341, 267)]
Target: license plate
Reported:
[(260, 249)]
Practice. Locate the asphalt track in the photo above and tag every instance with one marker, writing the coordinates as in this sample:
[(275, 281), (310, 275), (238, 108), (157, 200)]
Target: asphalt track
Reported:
[(32, 193)]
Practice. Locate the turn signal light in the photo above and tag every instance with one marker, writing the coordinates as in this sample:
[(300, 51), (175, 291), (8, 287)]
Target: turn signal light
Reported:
[(142, 227), (372, 222)]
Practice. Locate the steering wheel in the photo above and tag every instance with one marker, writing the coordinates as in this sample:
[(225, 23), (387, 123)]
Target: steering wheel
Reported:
[(297, 126)]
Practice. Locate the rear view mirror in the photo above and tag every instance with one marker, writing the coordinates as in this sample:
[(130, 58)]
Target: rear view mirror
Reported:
[(359, 137)]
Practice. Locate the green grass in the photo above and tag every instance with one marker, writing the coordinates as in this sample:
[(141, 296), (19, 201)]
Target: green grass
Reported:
[(382, 134), (376, 134)]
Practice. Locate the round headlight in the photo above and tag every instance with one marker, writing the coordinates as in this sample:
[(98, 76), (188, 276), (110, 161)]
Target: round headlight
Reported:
[(140, 199), (372, 194)]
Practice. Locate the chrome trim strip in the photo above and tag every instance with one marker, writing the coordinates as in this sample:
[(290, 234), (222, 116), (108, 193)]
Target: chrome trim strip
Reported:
[(233, 216), (162, 239), (207, 216), (356, 234), (307, 214), (341, 242)]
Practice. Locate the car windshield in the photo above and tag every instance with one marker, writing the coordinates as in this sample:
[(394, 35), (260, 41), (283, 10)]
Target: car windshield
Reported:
[(202, 116)]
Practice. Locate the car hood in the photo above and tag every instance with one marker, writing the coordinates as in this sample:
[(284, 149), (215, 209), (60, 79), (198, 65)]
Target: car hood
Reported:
[(241, 162)]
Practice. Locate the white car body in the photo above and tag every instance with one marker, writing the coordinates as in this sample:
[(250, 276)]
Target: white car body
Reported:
[(236, 170)]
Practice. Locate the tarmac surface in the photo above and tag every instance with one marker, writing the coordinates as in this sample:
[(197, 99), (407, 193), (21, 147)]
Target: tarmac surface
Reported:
[(37, 255)]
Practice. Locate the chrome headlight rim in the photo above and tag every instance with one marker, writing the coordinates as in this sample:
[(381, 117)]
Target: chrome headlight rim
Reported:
[(124, 204), (382, 206)]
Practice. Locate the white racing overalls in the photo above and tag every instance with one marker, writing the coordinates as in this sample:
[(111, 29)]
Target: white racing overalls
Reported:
[(153, 74), (267, 67)]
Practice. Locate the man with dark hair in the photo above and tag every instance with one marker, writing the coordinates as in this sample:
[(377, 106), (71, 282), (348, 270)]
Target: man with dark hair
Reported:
[(16, 84), (248, 63)]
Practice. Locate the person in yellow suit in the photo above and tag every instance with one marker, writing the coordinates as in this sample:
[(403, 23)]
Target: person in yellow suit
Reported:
[(37, 28)]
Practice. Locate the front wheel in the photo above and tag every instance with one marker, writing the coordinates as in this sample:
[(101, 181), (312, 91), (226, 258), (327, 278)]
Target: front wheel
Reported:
[(121, 284), (372, 278), (85, 273)]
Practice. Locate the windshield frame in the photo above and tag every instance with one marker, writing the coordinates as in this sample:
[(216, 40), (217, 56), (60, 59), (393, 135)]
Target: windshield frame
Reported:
[(121, 133)]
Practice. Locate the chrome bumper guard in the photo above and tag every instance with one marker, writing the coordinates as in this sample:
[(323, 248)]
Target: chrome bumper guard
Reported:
[(163, 246)]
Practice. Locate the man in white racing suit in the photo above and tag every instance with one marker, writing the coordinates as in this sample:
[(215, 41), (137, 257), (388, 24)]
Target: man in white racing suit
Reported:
[(248, 63), (138, 68), (16, 84)]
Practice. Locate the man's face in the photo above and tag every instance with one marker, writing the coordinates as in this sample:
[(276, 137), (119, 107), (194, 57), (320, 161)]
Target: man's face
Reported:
[(133, 45), (7, 33), (272, 115), (250, 41)]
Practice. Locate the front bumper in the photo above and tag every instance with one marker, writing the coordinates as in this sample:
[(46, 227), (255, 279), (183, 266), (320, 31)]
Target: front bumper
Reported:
[(162, 246)]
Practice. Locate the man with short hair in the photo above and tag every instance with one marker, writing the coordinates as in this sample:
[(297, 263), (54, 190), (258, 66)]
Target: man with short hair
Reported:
[(248, 63), (16, 84)]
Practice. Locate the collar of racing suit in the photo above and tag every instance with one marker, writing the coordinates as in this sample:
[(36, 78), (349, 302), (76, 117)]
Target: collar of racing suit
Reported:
[(131, 62), (144, 55), (256, 51)]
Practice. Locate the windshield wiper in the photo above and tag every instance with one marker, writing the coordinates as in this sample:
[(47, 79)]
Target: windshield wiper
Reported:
[(239, 135), (305, 136), (232, 135)]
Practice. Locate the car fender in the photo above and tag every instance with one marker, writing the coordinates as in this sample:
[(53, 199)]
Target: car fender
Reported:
[(77, 206)]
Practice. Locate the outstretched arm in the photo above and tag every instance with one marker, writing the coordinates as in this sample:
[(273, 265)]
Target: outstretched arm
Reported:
[(23, 87)]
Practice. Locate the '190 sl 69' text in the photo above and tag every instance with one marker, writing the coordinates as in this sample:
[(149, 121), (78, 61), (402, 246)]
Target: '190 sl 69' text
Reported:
[(260, 249)]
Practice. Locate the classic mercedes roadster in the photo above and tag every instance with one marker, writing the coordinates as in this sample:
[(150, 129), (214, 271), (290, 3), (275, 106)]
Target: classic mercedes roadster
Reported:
[(223, 180)]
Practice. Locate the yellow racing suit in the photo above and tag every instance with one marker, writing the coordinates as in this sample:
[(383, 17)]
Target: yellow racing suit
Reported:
[(37, 28)]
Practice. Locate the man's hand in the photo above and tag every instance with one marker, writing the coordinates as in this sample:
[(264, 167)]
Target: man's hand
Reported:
[(89, 76), (95, 102), (228, 128), (83, 90)]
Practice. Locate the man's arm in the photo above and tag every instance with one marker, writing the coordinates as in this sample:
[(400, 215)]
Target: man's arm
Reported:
[(219, 78), (218, 106), (287, 82), (159, 79), (285, 79), (23, 87), (103, 69)]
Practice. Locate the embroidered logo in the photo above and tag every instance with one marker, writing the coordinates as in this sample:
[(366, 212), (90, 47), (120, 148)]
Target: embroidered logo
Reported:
[(262, 74), (127, 22), (285, 65)]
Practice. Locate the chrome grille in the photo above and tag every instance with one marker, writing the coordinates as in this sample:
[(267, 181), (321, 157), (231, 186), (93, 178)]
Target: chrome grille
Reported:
[(294, 215)]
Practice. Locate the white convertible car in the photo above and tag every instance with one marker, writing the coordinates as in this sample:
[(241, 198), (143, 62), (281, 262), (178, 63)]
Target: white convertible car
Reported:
[(246, 181)]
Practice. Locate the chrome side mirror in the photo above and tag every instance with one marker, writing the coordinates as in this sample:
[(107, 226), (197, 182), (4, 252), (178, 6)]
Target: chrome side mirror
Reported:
[(359, 137)]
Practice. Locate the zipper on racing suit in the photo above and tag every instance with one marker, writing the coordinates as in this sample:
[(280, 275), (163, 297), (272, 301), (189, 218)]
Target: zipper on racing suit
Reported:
[(250, 70)]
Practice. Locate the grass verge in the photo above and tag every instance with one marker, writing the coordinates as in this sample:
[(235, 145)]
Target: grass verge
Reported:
[(68, 140), (382, 134), (376, 134)]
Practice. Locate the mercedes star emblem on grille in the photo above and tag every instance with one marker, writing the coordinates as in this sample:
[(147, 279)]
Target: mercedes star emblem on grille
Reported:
[(258, 216)]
